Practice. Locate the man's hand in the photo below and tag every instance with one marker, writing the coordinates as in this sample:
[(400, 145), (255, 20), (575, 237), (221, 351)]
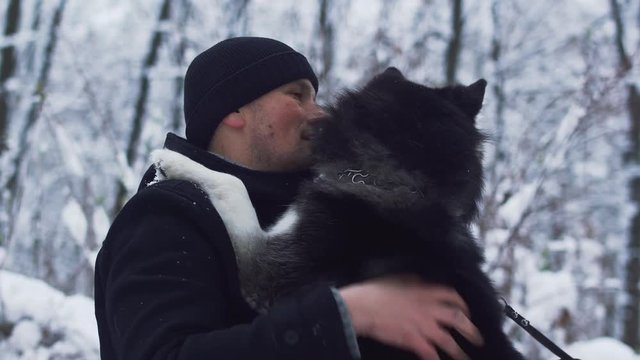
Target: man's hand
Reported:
[(404, 312)]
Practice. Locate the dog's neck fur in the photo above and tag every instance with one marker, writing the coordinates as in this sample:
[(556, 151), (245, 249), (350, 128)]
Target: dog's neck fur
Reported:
[(250, 242)]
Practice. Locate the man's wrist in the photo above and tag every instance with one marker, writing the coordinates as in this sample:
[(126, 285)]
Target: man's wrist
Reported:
[(349, 329), (352, 297)]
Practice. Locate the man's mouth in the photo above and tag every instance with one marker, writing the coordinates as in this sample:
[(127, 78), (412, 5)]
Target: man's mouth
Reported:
[(311, 129), (308, 132)]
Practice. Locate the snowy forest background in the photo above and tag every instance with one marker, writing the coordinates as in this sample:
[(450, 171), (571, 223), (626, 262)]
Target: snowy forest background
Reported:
[(89, 87)]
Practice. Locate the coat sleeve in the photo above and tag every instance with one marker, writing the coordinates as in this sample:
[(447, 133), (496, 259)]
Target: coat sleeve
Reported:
[(162, 294)]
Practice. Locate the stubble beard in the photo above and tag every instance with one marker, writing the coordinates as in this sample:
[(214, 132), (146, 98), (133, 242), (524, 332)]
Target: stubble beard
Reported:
[(266, 153), (267, 156)]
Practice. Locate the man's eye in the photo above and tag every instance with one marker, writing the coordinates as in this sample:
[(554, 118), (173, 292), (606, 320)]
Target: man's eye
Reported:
[(297, 95)]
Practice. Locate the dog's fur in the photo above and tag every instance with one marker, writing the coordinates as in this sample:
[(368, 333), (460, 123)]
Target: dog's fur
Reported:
[(398, 176)]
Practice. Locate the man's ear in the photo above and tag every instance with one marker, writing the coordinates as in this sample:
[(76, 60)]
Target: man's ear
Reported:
[(235, 120)]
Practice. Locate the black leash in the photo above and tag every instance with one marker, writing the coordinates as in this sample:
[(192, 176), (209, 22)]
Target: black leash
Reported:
[(526, 325)]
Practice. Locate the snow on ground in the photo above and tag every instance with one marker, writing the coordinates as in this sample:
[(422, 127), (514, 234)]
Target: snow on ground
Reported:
[(45, 324), (600, 349)]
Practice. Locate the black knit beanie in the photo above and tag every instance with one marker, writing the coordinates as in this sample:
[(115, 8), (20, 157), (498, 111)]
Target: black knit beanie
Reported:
[(233, 73)]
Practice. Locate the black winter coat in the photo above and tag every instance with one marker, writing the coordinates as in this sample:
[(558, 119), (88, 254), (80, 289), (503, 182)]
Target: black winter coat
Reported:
[(166, 284)]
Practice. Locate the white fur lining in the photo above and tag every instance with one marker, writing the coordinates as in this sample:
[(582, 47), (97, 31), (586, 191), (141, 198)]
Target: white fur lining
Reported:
[(230, 198), (226, 192)]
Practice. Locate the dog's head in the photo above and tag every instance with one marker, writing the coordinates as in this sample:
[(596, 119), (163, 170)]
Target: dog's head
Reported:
[(395, 125)]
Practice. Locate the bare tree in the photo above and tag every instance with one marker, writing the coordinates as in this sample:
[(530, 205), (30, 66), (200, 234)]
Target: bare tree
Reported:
[(631, 324), (7, 68), (236, 11), (631, 332), (39, 91), (326, 31), (498, 79), (137, 122), (180, 46), (454, 47)]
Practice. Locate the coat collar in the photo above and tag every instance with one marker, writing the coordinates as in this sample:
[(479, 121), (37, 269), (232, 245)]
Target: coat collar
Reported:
[(270, 192)]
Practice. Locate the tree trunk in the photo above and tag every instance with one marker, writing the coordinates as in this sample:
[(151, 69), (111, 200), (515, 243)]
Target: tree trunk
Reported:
[(326, 32), (179, 52), (498, 82), (491, 201), (176, 106), (7, 68), (455, 42), (631, 329), (237, 22), (141, 102), (631, 323), (33, 114)]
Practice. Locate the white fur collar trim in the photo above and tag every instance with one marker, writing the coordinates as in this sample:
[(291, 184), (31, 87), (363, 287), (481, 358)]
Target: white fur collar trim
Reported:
[(226, 192)]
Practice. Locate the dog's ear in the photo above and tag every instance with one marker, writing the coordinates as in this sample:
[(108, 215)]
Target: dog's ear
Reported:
[(384, 83), (390, 74), (393, 72), (469, 98)]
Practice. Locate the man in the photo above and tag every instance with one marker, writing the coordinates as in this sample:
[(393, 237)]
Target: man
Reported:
[(166, 276)]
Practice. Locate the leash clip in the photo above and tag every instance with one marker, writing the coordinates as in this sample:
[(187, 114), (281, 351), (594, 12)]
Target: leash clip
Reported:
[(537, 335)]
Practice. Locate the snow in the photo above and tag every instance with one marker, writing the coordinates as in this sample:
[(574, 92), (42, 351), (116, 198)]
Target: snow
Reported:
[(549, 294), (594, 169), (26, 335), (36, 309), (68, 148), (600, 349), (75, 220), (563, 134), (569, 123), (513, 210), (101, 222)]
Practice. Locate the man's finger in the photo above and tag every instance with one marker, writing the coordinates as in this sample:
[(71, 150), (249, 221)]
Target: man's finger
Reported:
[(447, 296), (445, 342), (423, 349), (456, 319)]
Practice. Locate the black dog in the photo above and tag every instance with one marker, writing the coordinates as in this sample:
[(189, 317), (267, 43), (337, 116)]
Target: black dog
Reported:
[(398, 177)]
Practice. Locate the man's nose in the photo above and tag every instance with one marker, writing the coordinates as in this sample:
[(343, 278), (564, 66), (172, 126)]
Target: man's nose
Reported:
[(316, 112)]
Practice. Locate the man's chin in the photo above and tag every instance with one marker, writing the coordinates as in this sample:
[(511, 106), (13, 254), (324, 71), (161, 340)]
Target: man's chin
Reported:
[(302, 160)]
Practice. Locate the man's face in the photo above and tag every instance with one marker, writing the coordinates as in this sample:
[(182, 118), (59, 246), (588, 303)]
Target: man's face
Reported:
[(277, 124)]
